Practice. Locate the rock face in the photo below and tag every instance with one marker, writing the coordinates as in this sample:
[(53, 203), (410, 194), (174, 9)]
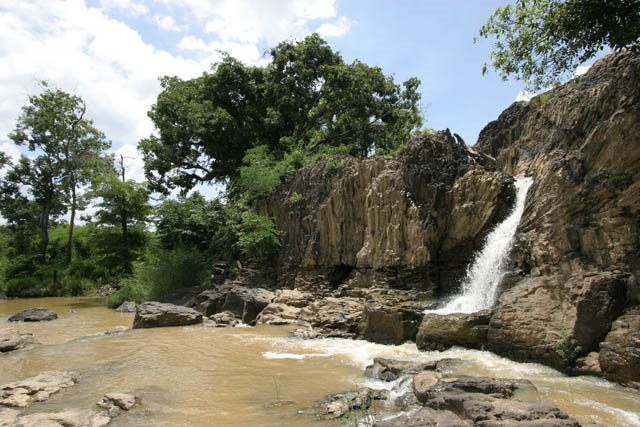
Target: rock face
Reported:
[(620, 352), (11, 339), (440, 332), (555, 319), (407, 223), (577, 243), (156, 314), (38, 314)]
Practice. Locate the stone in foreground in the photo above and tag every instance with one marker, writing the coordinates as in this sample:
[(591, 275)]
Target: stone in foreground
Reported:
[(64, 418), (112, 401), (11, 339), (425, 417), (20, 394), (620, 351), (156, 314), (440, 332), (38, 314)]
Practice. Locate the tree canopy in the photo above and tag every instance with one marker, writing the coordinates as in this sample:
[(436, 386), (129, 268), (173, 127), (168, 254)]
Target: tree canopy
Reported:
[(541, 42), (306, 98)]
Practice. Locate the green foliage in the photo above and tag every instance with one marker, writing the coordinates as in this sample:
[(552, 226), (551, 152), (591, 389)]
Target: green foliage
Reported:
[(258, 236), (131, 290), (305, 99), (567, 348), (543, 41), (27, 287), (189, 222), (296, 197), (622, 180)]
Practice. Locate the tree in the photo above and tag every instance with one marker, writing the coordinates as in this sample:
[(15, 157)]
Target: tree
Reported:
[(306, 98), (123, 204), (72, 150), (541, 42)]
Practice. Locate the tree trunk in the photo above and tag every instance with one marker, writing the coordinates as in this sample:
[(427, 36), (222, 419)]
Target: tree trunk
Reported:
[(74, 205), (44, 233)]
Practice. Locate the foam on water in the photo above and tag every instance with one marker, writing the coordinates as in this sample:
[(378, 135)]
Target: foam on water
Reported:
[(478, 291)]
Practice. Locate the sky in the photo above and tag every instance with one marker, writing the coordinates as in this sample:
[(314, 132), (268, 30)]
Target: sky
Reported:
[(112, 52)]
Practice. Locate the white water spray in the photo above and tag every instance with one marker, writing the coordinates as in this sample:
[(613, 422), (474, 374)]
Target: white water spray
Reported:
[(490, 265)]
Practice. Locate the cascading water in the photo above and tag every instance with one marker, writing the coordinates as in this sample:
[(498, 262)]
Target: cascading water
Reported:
[(490, 265)]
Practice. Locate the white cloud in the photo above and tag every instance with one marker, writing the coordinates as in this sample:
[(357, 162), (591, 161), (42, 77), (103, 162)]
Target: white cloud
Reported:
[(336, 29), (524, 95), (130, 7), (166, 22)]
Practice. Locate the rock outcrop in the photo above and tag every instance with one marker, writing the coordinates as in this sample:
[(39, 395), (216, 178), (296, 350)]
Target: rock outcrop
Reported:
[(38, 314), (410, 222), (156, 314), (19, 394), (620, 352), (577, 244)]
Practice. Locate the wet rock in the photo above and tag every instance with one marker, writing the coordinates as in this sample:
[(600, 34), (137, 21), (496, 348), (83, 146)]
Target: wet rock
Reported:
[(278, 314), (116, 330), (389, 325), (64, 418), (113, 401), (555, 319), (223, 320), (425, 417), (21, 393), (338, 405), (620, 352), (340, 315), (127, 307), (440, 332), (38, 314), (156, 314), (11, 339), (390, 369), (588, 365), (423, 382)]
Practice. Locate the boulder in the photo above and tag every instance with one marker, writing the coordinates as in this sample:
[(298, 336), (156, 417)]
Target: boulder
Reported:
[(620, 352), (555, 319), (442, 331), (389, 325), (156, 314), (245, 303), (22, 393), (11, 339), (38, 314), (293, 297), (338, 405), (278, 314), (425, 417), (112, 401), (223, 319), (588, 365), (127, 307), (334, 315)]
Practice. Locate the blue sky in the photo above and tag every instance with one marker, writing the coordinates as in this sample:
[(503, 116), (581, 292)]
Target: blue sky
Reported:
[(111, 52)]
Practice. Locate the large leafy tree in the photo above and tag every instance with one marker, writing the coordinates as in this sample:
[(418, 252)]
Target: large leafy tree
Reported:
[(123, 204), (70, 151), (543, 41), (306, 98)]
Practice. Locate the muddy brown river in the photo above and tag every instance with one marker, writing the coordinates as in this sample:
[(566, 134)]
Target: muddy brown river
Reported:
[(201, 376)]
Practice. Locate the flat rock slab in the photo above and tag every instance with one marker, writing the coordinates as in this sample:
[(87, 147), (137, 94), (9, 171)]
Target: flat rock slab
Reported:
[(157, 314), (20, 394), (112, 401), (64, 418), (425, 417), (11, 339), (38, 314)]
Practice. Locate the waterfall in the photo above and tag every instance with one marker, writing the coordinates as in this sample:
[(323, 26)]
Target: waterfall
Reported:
[(478, 291)]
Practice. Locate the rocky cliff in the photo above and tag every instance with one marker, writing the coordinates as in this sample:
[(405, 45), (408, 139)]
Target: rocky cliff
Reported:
[(410, 222), (578, 242)]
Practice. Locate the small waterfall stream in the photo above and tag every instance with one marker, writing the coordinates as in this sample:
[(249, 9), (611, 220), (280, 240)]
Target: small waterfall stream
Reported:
[(478, 291)]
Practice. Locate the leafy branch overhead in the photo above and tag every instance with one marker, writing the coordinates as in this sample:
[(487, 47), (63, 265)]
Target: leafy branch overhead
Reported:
[(542, 42), (306, 98)]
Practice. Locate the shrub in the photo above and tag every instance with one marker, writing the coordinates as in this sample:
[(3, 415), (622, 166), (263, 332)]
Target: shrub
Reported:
[(258, 236), (27, 287), (131, 290)]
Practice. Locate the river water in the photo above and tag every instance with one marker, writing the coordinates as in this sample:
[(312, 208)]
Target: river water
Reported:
[(200, 376)]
